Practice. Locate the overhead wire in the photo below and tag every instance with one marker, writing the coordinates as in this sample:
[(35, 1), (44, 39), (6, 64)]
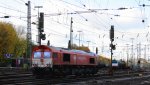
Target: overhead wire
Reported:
[(74, 10), (73, 27), (13, 9), (96, 18), (93, 11), (20, 2), (23, 1), (13, 16), (68, 25), (72, 4)]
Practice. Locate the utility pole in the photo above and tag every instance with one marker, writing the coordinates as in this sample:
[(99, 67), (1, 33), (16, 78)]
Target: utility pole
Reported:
[(39, 39), (145, 53), (140, 50), (127, 54), (132, 53), (88, 43), (102, 48), (71, 31), (29, 36), (148, 52), (137, 52), (79, 37), (111, 50)]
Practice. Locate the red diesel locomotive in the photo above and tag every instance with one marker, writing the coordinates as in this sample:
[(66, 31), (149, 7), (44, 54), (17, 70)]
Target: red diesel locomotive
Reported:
[(47, 60)]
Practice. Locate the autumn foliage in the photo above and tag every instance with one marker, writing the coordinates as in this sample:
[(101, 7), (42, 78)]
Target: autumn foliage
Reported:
[(84, 48), (10, 41), (103, 60)]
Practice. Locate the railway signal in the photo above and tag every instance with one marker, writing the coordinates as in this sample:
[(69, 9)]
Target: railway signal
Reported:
[(96, 50), (42, 36), (112, 33), (41, 22), (48, 43), (41, 26), (69, 44), (113, 47)]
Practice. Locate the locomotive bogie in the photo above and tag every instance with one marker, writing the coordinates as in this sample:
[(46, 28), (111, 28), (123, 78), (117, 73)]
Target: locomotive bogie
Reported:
[(38, 71)]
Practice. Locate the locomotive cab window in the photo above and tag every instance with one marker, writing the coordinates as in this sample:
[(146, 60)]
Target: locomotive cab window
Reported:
[(47, 54), (55, 55), (92, 60), (37, 54), (66, 57)]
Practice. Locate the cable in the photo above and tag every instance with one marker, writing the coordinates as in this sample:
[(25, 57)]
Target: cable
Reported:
[(96, 18), (14, 16), (13, 9), (72, 4), (23, 1), (20, 2), (74, 10)]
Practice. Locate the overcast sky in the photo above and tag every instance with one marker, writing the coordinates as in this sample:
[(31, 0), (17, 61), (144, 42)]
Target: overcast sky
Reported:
[(92, 17)]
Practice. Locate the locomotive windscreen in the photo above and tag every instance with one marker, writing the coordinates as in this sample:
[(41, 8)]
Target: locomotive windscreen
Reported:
[(37, 54), (47, 54)]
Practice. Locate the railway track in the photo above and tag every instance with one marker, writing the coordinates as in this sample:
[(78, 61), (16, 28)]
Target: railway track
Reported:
[(122, 79), (26, 78)]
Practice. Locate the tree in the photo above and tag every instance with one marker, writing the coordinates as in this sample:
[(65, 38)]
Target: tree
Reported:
[(21, 33), (8, 38), (84, 48), (103, 59), (12, 40), (21, 44)]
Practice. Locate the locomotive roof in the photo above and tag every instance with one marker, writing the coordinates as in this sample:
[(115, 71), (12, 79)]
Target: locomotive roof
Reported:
[(83, 52), (73, 50)]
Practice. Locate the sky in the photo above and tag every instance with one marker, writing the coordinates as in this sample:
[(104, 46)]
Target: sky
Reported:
[(93, 18)]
